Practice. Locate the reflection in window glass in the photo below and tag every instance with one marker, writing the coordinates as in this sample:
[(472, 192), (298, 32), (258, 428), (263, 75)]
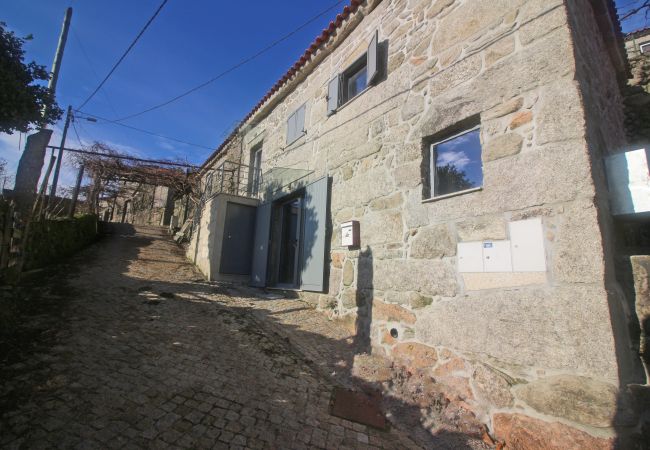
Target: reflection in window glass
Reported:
[(458, 164), (356, 82)]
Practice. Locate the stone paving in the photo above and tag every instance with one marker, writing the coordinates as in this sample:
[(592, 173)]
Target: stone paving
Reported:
[(137, 352), (126, 346)]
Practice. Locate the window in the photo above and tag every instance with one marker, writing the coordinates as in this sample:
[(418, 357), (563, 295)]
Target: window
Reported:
[(296, 125), (255, 170), (456, 164), (644, 48), (353, 80)]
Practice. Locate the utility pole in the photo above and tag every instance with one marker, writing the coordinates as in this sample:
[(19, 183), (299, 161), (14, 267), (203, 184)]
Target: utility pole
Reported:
[(58, 56), (55, 178), (75, 194), (31, 161)]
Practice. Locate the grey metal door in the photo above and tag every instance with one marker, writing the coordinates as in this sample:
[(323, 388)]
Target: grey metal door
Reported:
[(261, 244), (315, 236), (237, 247)]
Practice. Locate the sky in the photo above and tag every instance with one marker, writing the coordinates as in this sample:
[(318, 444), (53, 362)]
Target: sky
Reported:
[(188, 43)]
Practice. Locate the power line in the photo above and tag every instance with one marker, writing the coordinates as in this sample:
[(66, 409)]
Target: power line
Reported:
[(151, 133), (232, 68), (74, 127), (119, 61), (92, 68)]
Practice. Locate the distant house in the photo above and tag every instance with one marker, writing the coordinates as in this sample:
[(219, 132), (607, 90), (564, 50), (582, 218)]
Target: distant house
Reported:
[(433, 171)]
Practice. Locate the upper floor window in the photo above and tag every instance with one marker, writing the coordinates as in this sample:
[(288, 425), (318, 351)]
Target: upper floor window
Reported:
[(644, 48), (255, 170), (355, 79), (455, 163), (296, 124)]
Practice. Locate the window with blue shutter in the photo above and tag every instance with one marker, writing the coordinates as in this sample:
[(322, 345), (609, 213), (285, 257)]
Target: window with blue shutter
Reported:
[(355, 79), (296, 124), (312, 275), (333, 95)]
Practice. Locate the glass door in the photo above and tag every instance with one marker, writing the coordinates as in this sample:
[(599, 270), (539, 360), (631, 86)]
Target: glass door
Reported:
[(289, 248)]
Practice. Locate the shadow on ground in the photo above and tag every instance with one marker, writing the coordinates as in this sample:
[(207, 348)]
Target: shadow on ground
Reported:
[(137, 308)]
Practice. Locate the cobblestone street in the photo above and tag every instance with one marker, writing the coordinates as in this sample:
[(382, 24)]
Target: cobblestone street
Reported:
[(133, 350), (126, 346)]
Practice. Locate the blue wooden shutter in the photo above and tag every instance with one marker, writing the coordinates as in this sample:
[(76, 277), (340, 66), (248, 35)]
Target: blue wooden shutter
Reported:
[(291, 128), (333, 95), (300, 120), (372, 58), (261, 245), (314, 237)]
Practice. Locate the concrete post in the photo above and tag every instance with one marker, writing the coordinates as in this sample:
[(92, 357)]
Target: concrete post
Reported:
[(57, 169), (58, 56), (31, 161), (75, 194)]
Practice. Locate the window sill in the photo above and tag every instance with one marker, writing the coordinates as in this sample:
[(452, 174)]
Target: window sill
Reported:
[(352, 99), (453, 194), (289, 144)]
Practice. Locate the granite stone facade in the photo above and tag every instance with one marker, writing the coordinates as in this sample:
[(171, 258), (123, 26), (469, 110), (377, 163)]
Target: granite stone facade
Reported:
[(530, 350)]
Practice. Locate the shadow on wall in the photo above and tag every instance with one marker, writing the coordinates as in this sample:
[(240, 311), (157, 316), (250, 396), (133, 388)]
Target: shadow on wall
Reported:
[(364, 297)]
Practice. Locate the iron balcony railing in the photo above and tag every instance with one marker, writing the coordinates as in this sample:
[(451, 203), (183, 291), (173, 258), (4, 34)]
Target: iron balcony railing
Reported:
[(233, 178), (238, 179)]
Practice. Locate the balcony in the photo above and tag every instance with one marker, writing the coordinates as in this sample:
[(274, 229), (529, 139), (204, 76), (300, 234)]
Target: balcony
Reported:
[(233, 178), (241, 180)]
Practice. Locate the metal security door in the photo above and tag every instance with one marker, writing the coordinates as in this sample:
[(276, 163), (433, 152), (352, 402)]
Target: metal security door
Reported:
[(261, 245), (237, 247)]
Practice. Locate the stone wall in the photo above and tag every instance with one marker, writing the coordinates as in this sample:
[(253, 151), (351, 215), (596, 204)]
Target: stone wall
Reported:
[(516, 352), (52, 240), (637, 93)]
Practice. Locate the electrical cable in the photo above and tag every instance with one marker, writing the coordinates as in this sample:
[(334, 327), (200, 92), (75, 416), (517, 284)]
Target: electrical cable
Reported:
[(115, 122), (119, 61), (92, 68), (232, 68)]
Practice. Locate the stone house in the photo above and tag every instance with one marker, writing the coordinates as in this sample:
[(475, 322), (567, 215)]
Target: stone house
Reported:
[(431, 172), (637, 92)]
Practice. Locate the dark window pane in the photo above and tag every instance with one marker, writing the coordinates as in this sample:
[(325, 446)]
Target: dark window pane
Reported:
[(458, 164), (356, 82)]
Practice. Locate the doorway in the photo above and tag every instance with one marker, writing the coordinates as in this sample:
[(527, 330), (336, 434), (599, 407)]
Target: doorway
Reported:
[(285, 252), (237, 246)]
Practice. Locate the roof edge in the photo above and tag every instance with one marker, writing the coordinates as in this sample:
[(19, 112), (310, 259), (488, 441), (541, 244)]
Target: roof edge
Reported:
[(323, 45)]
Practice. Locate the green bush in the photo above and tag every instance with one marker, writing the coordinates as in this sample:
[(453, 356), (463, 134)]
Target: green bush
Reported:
[(53, 239)]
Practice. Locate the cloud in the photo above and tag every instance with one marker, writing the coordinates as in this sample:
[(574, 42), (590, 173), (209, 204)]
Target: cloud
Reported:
[(456, 159)]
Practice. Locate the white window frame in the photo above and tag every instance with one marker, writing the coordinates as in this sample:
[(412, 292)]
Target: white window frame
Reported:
[(643, 46), (432, 167)]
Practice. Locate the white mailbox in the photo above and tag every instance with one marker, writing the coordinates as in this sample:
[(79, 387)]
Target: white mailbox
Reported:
[(527, 238), (497, 256), (470, 257), (350, 233)]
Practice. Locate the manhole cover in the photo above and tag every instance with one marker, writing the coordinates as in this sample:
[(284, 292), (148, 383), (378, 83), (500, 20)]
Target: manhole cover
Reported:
[(359, 407)]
